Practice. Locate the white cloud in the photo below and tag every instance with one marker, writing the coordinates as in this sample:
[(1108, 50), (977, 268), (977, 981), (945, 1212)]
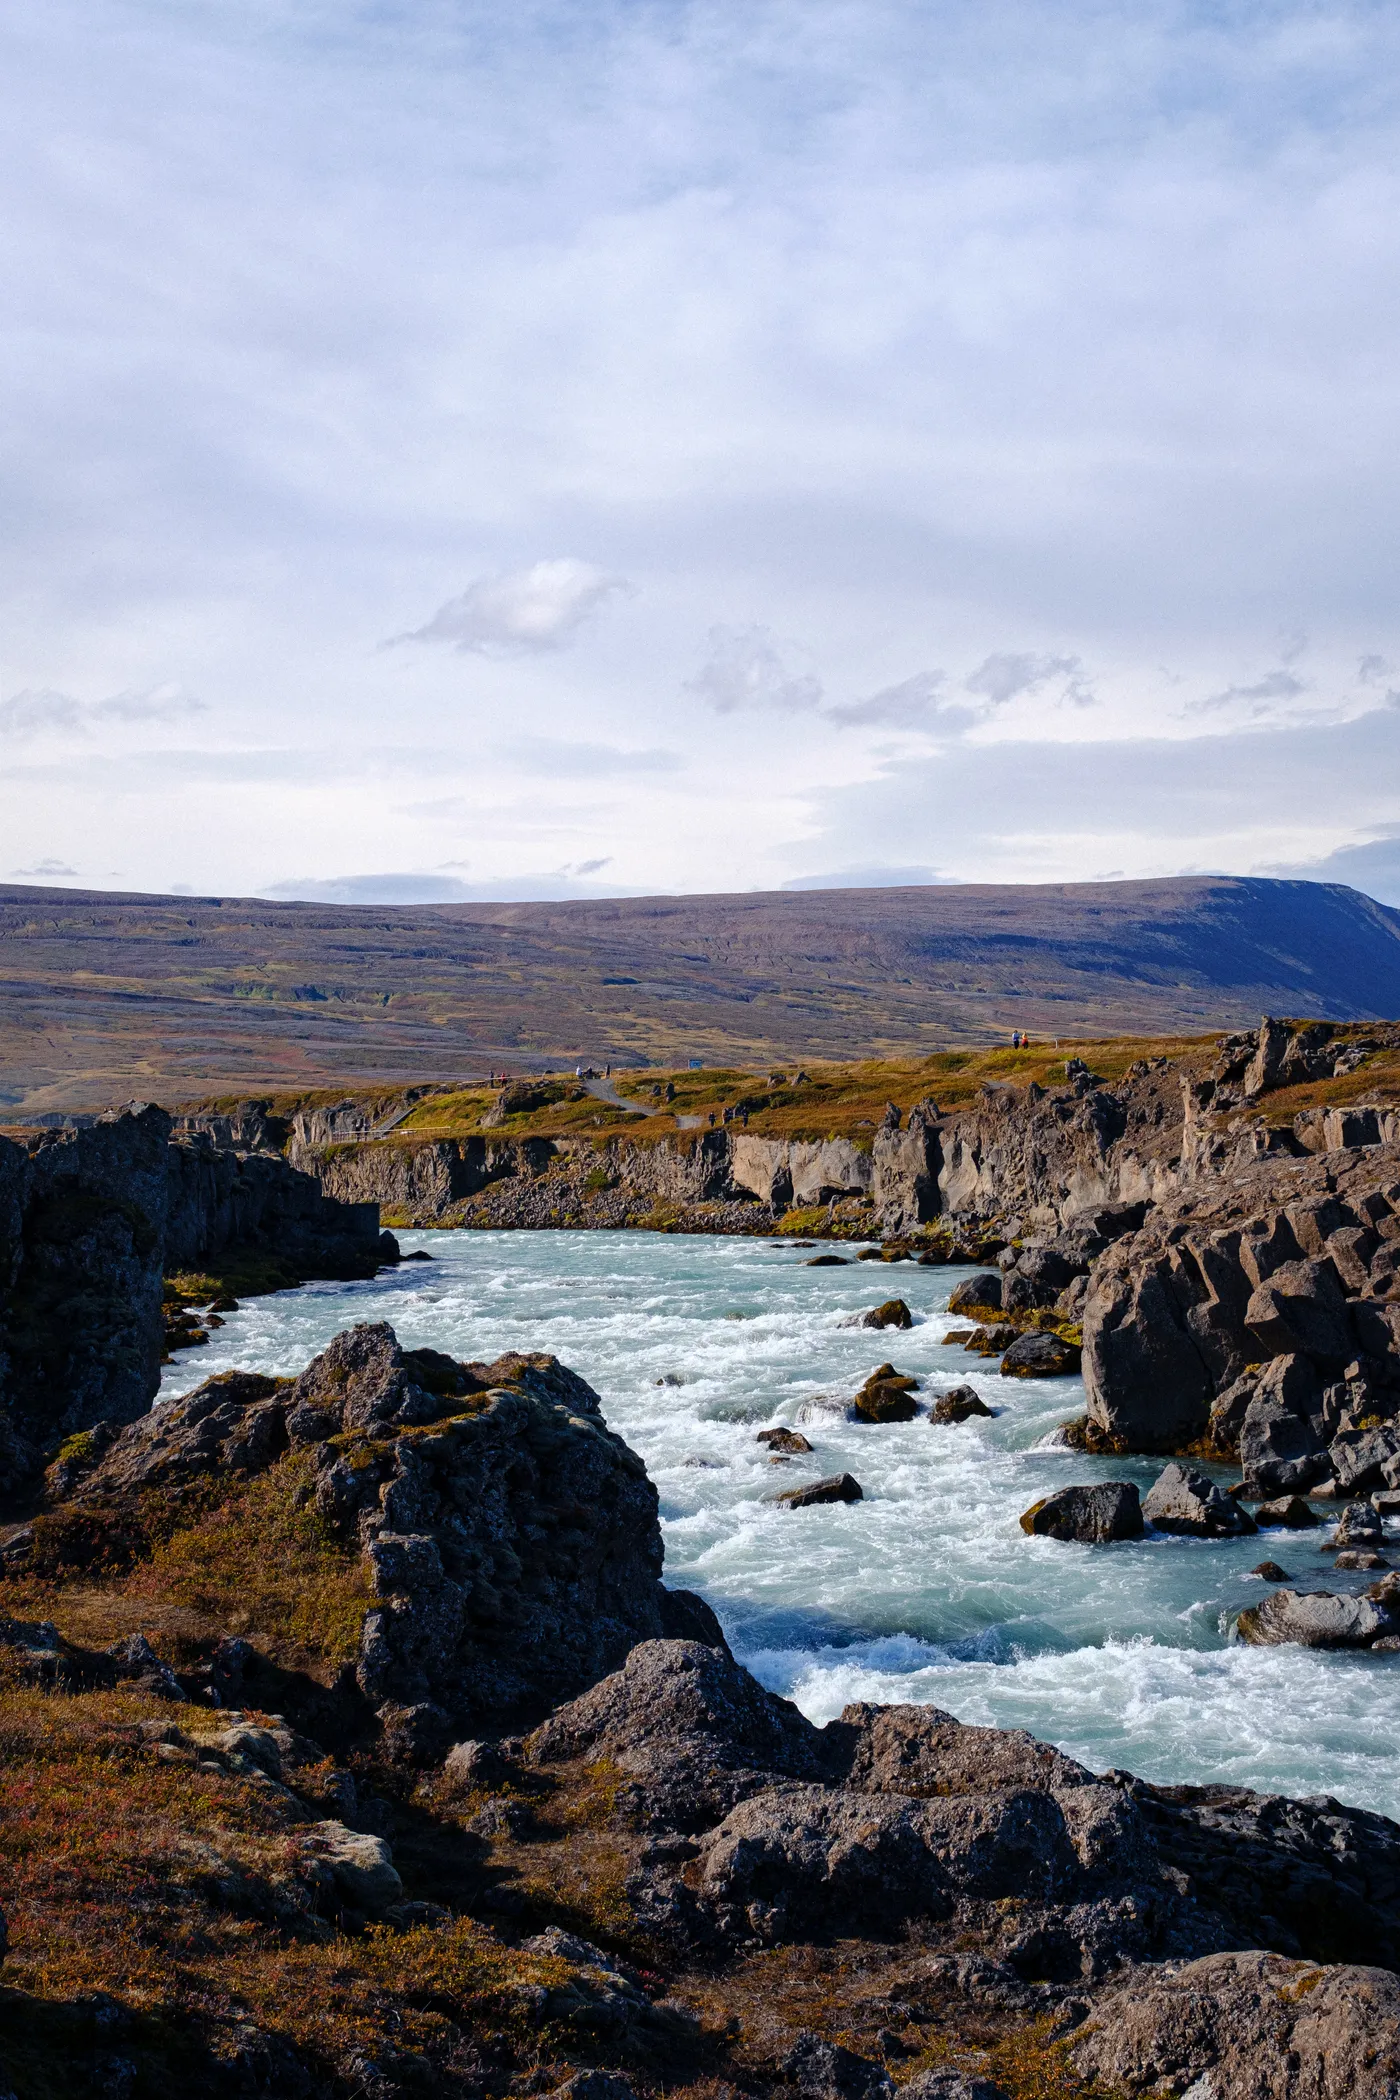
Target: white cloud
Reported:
[(912, 704), (1006, 677), (46, 871), (40, 713), (541, 607), (44, 713), (746, 672)]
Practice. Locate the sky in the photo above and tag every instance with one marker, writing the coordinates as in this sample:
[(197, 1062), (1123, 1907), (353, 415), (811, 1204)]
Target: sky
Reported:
[(532, 450)]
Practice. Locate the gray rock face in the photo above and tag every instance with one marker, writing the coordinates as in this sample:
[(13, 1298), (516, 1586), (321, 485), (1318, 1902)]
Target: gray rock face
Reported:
[(1184, 1501), (1359, 1525), (90, 1222), (1090, 1516), (1282, 1443), (1317, 1619), (1234, 1274), (1249, 2026)]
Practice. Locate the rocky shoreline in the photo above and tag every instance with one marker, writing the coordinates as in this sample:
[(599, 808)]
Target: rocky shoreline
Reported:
[(500, 1753)]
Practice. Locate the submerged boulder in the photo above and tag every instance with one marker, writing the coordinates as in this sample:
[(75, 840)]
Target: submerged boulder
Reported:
[(893, 1313)]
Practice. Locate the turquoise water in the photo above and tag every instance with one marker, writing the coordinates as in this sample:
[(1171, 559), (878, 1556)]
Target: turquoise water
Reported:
[(927, 1590)]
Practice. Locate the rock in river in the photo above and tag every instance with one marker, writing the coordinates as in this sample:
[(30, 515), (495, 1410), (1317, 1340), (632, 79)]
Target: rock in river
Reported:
[(893, 1313), (887, 1396), (783, 1439), (1089, 1516), (837, 1487), (1359, 1526), (1318, 1619), (958, 1404), (1040, 1356), (979, 1295), (1185, 1501), (1291, 1511)]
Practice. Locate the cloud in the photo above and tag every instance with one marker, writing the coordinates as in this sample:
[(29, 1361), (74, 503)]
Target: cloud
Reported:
[(1005, 677), (913, 704), (162, 703), (419, 888), (40, 713), (1371, 864), (1258, 699), (524, 610), (1374, 670), (44, 713), (745, 673), (47, 871), (557, 758), (872, 878)]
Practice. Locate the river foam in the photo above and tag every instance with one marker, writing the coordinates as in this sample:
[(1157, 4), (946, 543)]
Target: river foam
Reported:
[(927, 1590)]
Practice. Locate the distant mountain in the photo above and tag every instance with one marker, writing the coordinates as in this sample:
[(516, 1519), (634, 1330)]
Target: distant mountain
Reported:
[(103, 996)]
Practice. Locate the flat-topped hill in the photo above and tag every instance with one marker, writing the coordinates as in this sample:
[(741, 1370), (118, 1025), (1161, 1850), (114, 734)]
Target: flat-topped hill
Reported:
[(108, 995)]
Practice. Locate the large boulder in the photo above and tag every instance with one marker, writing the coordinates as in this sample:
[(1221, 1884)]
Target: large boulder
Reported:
[(1318, 1619), (1301, 1310), (1185, 1501), (1250, 2026), (979, 1296), (1088, 1516), (886, 1396), (1040, 1356)]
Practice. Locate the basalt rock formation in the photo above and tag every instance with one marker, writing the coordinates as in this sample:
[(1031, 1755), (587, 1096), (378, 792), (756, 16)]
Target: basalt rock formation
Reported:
[(91, 1222), (511, 1539)]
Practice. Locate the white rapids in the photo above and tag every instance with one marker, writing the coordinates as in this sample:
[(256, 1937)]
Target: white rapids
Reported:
[(927, 1590)]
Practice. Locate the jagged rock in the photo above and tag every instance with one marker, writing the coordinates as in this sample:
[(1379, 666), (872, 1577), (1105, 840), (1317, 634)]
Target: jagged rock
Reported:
[(693, 1731), (1182, 1500), (472, 1764), (978, 1295), (1359, 1525), (1317, 1619), (1090, 1516), (136, 1662), (959, 1404), (1040, 1356), (837, 1487), (1247, 2027), (992, 1339), (1282, 1445), (886, 1396), (1360, 1457), (1364, 1561), (1229, 1409), (893, 1313), (1300, 1310), (1291, 1511), (233, 1423), (1270, 1571), (825, 2071), (783, 1439), (1145, 1379)]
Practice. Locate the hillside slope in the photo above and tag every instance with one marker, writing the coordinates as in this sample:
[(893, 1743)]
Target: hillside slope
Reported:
[(104, 995)]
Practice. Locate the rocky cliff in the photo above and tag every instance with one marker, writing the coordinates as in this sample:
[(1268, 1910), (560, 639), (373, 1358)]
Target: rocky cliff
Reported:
[(91, 1223)]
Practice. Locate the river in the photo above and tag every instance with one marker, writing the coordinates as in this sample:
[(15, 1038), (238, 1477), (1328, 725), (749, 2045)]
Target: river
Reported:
[(927, 1590)]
